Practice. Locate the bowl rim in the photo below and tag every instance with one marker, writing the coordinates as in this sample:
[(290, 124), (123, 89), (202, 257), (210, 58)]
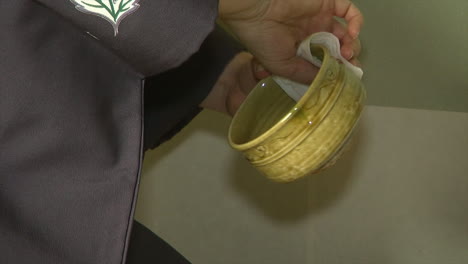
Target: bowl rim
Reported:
[(291, 113)]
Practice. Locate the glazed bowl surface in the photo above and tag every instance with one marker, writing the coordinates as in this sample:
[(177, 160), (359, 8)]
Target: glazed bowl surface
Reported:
[(287, 140)]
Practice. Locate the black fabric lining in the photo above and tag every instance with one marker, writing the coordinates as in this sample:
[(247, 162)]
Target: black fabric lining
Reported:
[(147, 248), (172, 99)]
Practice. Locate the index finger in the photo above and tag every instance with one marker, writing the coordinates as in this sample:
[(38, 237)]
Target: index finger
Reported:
[(353, 16)]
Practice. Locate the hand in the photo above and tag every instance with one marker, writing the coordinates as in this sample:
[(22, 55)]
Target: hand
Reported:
[(273, 29), (238, 78)]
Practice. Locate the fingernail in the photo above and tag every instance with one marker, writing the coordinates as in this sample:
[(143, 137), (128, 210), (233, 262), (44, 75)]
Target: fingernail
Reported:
[(351, 55), (259, 68)]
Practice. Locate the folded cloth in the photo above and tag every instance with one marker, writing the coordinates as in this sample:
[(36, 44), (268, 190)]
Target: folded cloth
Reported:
[(296, 90)]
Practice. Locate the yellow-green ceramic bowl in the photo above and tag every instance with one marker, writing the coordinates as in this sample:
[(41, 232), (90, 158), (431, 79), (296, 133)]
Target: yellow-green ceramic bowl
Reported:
[(287, 140)]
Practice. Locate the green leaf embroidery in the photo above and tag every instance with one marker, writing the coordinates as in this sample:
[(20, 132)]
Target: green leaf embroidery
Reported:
[(114, 11)]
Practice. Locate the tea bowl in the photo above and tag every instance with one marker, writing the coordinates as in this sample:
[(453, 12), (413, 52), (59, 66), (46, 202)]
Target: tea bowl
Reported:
[(287, 140)]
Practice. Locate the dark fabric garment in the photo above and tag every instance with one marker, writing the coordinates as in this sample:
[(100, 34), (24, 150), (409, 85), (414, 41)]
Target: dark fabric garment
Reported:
[(71, 121), (147, 248), (71, 128), (70, 141), (159, 35), (170, 97)]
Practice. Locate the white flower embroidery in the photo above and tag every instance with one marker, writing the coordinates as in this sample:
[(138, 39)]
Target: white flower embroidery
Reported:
[(114, 11)]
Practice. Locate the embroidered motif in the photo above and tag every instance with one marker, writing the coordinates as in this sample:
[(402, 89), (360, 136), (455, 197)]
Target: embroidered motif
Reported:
[(114, 11)]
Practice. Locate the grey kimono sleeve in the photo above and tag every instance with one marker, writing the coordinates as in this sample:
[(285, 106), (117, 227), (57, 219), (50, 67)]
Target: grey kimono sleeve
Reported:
[(153, 36)]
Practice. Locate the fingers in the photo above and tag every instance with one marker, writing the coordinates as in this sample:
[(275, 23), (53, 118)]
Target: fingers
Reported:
[(259, 71), (347, 10), (350, 48), (299, 70), (356, 46), (356, 62), (339, 30)]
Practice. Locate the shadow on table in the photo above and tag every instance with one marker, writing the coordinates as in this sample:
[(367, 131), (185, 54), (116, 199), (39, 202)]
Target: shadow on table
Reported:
[(291, 202)]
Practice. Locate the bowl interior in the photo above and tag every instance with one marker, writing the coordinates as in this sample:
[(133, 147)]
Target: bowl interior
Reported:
[(266, 106)]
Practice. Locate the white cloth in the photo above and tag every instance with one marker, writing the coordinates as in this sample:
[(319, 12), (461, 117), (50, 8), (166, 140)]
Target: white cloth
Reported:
[(296, 90)]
